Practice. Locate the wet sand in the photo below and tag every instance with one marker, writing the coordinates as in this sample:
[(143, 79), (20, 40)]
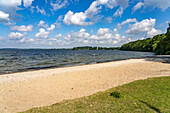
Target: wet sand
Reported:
[(25, 90)]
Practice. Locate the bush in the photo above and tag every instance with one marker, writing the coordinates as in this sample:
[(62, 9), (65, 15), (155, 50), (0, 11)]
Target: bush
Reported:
[(167, 53), (115, 94)]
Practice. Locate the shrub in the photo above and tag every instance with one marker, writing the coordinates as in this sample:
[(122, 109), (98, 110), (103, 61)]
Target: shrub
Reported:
[(115, 94), (167, 53)]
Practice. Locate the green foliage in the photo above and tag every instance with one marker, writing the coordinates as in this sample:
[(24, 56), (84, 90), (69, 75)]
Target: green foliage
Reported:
[(115, 94), (139, 45), (75, 48), (159, 44), (167, 53)]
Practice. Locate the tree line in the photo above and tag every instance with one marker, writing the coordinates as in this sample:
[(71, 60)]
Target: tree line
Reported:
[(159, 44)]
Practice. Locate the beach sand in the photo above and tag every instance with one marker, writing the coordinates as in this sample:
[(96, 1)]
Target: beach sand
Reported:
[(25, 90)]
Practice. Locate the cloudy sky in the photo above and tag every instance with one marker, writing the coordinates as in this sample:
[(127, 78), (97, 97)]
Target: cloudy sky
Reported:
[(69, 23)]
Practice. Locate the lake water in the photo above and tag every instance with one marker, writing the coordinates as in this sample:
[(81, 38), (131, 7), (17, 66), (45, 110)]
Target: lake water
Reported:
[(16, 60)]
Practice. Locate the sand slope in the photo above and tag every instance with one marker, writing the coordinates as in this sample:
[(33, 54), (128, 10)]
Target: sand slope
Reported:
[(22, 91)]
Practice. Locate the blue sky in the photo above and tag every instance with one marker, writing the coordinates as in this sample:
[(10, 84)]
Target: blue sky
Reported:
[(69, 23)]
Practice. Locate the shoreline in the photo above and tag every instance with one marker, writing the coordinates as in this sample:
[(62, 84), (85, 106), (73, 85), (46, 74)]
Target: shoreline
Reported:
[(25, 90), (81, 64)]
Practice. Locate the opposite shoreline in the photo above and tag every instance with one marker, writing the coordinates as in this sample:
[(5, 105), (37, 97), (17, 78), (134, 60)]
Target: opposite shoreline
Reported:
[(25, 90)]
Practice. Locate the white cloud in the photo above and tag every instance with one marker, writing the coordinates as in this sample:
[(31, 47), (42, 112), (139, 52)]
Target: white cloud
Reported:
[(91, 13), (143, 29), (15, 35), (9, 24), (126, 22), (41, 24), (26, 40), (157, 4), (51, 28), (22, 28), (143, 26), (60, 18), (42, 11), (107, 20), (15, 3), (27, 3), (42, 33), (104, 37), (75, 19), (58, 35), (153, 32), (58, 21), (137, 6), (4, 17), (10, 2), (103, 31), (163, 5), (59, 4), (119, 12)]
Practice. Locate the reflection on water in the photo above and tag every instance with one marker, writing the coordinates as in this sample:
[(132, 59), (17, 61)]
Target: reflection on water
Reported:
[(15, 60)]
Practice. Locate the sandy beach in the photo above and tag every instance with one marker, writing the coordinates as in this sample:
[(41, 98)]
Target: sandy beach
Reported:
[(25, 90)]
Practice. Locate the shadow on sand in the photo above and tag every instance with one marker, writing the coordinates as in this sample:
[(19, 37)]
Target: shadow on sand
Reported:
[(159, 58)]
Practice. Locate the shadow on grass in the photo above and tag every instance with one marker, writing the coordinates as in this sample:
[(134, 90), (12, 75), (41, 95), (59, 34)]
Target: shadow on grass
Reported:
[(155, 109)]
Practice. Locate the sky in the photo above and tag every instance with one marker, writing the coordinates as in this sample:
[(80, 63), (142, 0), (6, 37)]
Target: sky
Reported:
[(70, 23)]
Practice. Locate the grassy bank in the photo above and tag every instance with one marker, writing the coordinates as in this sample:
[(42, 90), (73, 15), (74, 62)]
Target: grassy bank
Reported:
[(150, 95)]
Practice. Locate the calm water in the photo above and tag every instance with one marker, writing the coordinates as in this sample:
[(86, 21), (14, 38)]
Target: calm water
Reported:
[(15, 60)]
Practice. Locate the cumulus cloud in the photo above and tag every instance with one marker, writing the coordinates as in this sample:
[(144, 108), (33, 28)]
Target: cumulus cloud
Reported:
[(106, 34), (77, 35), (22, 28), (58, 35), (27, 3), (75, 19), (143, 26), (110, 37), (51, 28), (126, 22), (119, 12), (103, 31), (11, 6), (15, 35), (153, 32), (4, 16), (27, 40), (103, 37), (42, 24), (80, 18), (42, 33), (15, 3)]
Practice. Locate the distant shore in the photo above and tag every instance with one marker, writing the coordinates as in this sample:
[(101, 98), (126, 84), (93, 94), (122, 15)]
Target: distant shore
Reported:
[(24, 90)]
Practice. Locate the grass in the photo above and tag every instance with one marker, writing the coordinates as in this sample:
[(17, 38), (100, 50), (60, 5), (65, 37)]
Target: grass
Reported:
[(150, 95)]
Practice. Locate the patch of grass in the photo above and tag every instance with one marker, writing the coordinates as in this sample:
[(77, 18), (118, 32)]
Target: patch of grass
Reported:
[(150, 95)]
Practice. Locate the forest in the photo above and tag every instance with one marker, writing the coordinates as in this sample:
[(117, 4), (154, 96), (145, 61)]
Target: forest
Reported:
[(159, 44)]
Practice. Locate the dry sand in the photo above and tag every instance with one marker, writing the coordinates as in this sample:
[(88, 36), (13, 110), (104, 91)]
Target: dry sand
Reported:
[(25, 90)]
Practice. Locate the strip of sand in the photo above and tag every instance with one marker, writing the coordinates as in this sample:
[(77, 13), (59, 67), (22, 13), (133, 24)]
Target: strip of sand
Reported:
[(25, 90)]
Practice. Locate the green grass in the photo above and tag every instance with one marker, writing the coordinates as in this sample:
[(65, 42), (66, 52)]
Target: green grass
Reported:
[(150, 95)]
